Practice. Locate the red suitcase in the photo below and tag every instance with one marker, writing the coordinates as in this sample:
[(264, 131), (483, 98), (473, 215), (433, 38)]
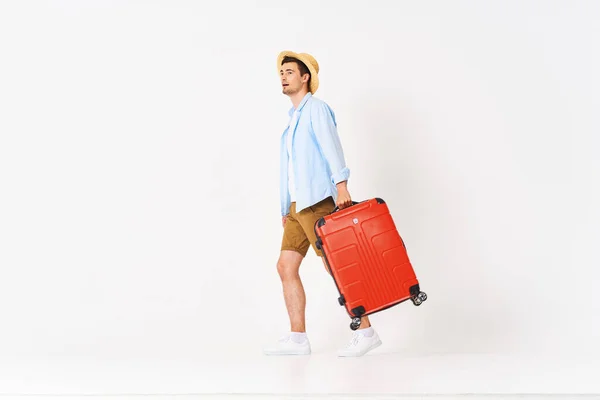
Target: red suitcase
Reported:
[(367, 259)]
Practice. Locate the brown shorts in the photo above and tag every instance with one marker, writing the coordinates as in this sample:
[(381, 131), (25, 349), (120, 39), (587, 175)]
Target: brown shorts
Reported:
[(299, 230)]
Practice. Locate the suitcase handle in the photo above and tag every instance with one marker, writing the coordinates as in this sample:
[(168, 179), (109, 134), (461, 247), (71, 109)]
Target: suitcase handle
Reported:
[(337, 208)]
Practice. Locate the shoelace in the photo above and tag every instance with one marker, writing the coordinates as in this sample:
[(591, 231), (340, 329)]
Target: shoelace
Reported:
[(354, 341)]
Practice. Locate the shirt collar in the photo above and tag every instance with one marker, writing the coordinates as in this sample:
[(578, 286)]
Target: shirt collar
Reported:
[(302, 103)]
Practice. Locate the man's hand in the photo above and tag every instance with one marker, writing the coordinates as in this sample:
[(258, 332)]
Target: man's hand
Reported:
[(283, 221), (344, 200)]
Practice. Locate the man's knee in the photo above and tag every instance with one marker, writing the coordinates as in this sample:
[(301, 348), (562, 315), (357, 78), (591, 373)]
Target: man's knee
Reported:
[(288, 267)]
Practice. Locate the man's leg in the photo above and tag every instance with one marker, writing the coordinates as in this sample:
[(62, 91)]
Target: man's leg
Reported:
[(296, 341), (288, 268), (294, 246)]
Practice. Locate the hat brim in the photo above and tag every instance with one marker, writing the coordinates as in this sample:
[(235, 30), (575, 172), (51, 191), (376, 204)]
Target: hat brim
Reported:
[(314, 74)]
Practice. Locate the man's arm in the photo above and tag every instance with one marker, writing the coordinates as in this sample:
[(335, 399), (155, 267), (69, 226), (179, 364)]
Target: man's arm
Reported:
[(325, 128)]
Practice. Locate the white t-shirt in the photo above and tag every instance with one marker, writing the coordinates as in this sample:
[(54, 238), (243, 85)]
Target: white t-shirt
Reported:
[(290, 135)]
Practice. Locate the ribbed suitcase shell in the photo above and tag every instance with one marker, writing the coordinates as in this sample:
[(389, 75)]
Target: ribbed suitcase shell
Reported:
[(367, 259)]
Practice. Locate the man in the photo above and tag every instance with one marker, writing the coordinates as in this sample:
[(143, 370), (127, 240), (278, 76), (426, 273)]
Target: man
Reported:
[(313, 181)]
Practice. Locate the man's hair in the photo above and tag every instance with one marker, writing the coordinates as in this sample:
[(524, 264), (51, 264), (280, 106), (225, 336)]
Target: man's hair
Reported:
[(301, 66)]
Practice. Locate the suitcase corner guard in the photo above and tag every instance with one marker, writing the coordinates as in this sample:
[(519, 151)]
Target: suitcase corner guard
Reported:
[(320, 222), (358, 311)]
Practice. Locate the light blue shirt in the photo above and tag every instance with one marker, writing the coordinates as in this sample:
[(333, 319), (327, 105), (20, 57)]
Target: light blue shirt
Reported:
[(317, 155)]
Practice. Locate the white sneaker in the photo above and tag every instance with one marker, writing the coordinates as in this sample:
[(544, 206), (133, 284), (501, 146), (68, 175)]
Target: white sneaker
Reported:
[(286, 346), (360, 344)]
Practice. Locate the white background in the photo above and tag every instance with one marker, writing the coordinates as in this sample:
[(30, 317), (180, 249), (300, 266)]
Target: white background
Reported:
[(139, 211)]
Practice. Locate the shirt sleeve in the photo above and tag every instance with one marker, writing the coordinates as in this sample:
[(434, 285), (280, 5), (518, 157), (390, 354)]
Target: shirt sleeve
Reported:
[(325, 129)]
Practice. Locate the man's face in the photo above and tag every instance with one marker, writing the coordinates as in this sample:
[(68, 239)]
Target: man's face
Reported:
[(291, 81)]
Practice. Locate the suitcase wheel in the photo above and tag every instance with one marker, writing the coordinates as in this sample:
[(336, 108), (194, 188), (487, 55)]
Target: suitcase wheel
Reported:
[(419, 299), (355, 323)]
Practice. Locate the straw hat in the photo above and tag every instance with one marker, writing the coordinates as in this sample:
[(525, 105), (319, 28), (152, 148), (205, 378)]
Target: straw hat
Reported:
[(309, 61)]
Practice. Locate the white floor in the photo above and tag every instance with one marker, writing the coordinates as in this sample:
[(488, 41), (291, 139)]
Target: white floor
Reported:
[(321, 375), (312, 397)]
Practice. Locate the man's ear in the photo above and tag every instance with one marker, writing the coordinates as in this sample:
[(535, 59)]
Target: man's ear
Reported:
[(305, 78)]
